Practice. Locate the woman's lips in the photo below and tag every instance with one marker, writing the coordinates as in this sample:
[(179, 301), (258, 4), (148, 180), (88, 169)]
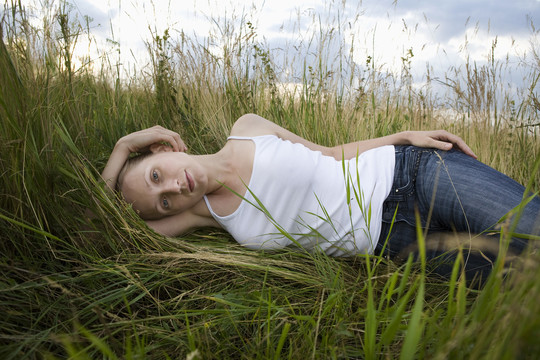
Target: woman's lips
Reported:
[(190, 182)]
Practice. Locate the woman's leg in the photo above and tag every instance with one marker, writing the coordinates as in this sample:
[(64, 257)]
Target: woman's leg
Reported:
[(469, 196), (457, 198)]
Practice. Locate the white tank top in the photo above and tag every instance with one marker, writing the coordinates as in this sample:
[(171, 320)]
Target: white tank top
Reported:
[(297, 196)]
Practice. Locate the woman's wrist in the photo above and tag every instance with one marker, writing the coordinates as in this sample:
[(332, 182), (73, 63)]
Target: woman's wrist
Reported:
[(405, 138), (400, 138)]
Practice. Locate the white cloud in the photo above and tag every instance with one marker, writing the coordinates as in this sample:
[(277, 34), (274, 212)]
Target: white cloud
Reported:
[(383, 29)]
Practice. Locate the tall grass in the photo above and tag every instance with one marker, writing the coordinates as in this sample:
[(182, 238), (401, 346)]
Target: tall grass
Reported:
[(109, 287)]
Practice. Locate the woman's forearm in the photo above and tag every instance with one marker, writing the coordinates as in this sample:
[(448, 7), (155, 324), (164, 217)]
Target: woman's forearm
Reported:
[(437, 139), (116, 161), (350, 150)]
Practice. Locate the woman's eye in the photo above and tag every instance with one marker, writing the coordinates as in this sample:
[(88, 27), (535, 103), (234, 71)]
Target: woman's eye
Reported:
[(165, 203), (155, 176)]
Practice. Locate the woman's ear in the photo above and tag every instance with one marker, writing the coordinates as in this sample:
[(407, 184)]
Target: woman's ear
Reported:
[(157, 147)]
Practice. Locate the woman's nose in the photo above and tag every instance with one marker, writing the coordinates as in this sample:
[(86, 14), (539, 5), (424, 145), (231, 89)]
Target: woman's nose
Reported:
[(173, 186)]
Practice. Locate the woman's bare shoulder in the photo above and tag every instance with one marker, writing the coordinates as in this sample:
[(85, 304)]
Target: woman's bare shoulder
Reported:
[(253, 125)]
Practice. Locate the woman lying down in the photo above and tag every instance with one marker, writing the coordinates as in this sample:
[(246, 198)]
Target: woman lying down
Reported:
[(270, 188)]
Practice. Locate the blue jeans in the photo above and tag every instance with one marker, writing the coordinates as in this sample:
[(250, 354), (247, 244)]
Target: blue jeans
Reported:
[(457, 197)]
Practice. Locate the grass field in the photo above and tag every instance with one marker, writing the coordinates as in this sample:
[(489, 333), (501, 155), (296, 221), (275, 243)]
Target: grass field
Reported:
[(111, 288)]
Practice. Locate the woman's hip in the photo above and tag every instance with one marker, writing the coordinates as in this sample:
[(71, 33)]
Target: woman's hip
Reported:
[(451, 191)]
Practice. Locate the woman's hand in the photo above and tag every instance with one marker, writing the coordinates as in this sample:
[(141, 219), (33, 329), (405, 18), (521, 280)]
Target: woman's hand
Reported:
[(140, 141), (438, 139)]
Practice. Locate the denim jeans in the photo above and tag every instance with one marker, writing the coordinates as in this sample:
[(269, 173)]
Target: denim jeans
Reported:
[(456, 197)]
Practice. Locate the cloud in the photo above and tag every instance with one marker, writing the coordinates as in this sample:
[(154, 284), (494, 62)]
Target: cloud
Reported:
[(294, 31), (98, 13), (502, 17)]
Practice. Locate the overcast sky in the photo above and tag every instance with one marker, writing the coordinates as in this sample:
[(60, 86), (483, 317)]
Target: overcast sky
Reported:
[(436, 31)]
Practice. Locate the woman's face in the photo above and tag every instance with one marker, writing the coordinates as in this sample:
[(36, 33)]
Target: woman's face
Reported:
[(164, 183)]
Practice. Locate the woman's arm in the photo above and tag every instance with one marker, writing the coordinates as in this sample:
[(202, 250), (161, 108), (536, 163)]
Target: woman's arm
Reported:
[(139, 141), (254, 125), (438, 139), (178, 224), (114, 165)]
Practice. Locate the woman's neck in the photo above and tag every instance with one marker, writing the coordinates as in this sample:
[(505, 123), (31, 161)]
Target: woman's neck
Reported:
[(219, 168)]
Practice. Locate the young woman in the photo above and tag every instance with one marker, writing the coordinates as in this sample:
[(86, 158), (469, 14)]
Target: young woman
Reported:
[(270, 188)]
